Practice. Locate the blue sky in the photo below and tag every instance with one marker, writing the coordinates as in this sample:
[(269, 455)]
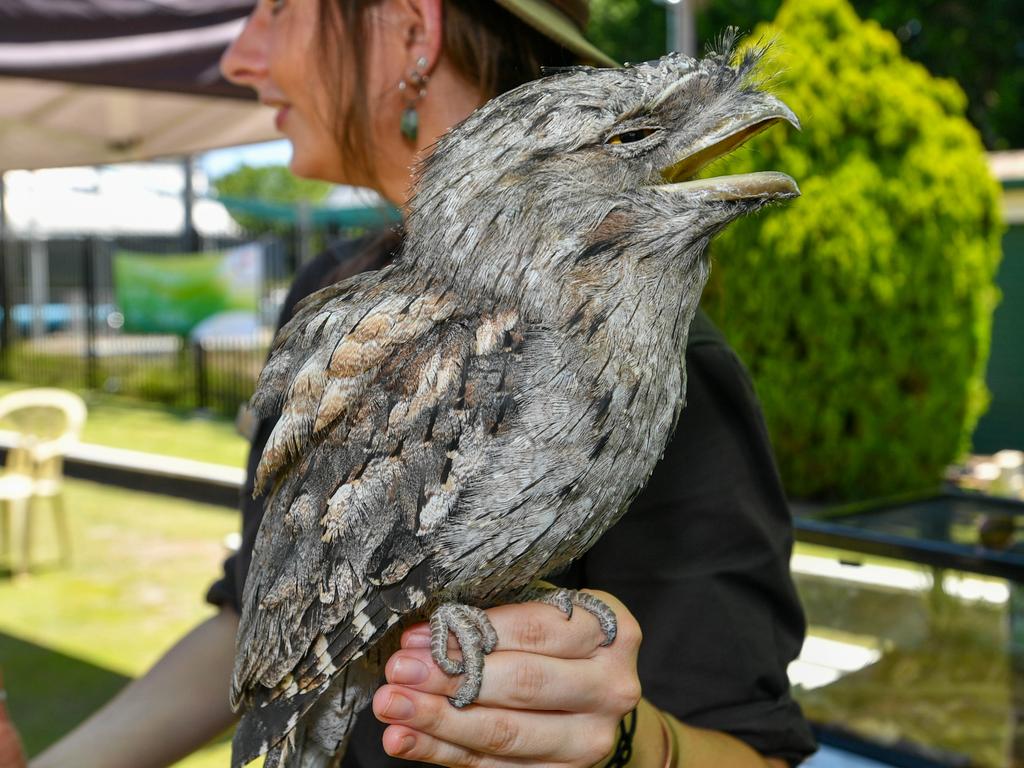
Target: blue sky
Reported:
[(220, 161)]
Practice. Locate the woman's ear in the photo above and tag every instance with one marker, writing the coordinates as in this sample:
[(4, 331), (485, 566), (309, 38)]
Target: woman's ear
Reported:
[(423, 31)]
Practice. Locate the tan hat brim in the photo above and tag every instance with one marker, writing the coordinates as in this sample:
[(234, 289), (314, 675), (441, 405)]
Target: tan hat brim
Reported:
[(554, 24)]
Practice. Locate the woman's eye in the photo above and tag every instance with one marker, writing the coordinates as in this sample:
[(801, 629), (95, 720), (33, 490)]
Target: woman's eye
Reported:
[(276, 6), (630, 136)]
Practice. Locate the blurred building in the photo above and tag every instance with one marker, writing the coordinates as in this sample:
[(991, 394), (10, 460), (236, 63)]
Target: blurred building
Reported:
[(130, 198), (1003, 425)]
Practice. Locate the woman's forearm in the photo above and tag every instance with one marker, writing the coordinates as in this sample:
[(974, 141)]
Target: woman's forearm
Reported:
[(176, 707), (661, 741)]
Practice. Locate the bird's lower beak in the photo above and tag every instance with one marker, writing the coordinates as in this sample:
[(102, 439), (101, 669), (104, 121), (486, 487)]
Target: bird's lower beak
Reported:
[(763, 185), (720, 142)]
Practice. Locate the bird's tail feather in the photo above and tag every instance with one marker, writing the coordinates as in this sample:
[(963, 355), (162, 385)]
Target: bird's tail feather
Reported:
[(319, 738), (297, 751), (372, 637), (265, 727)]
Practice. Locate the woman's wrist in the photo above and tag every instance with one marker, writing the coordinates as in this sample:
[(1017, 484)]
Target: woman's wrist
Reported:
[(662, 741), (670, 739), (650, 741)]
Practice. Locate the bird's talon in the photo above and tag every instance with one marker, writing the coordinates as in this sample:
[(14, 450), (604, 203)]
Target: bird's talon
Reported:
[(476, 638), (466, 694), (450, 666), (565, 599)]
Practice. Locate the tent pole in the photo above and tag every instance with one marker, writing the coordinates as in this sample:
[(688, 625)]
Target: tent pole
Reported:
[(189, 236), (681, 26)]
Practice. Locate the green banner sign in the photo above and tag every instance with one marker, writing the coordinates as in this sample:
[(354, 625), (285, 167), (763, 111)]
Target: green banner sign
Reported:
[(172, 293)]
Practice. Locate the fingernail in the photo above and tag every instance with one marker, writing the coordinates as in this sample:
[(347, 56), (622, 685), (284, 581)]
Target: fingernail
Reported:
[(399, 707), (407, 671), (416, 640), (406, 744)]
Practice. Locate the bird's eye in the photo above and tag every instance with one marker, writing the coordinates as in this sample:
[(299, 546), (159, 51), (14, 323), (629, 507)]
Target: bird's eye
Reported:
[(628, 137)]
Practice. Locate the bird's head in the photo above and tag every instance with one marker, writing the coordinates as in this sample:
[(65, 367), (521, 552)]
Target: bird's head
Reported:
[(597, 164)]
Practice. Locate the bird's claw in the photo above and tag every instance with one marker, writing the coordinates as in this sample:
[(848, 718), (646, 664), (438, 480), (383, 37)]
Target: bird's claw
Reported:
[(565, 599), (476, 637)]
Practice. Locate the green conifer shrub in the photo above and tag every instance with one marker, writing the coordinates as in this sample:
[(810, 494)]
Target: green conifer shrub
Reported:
[(864, 308)]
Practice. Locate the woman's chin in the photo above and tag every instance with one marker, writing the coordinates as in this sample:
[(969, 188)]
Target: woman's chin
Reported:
[(302, 166), (308, 166)]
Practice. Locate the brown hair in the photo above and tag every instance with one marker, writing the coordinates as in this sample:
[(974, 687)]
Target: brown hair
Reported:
[(490, 47)]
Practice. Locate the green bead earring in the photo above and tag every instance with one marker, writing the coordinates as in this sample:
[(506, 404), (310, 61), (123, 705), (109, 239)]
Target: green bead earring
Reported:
[(415, 89), (410, 124)]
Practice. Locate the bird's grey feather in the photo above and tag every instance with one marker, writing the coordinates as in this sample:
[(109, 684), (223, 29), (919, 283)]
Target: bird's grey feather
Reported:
[(477, 414)]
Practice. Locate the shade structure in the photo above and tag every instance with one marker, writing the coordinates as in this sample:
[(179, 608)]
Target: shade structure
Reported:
[(85, 82)]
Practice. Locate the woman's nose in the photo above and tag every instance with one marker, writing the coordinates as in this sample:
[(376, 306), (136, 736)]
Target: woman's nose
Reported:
[(245, 60)]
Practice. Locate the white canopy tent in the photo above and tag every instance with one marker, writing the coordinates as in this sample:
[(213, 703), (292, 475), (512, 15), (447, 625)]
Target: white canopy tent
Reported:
[(86, 82), (49, 124)]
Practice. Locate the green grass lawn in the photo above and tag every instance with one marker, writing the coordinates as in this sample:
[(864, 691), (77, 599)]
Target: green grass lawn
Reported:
[(69, 639), (123, 423)]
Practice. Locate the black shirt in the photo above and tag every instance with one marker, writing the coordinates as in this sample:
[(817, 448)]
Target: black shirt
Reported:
[(701, 558)]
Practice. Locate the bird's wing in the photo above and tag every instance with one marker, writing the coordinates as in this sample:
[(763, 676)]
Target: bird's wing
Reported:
[(325, 358), (378, 395)]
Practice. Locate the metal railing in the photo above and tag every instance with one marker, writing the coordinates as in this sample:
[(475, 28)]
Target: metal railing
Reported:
[(60, 324)]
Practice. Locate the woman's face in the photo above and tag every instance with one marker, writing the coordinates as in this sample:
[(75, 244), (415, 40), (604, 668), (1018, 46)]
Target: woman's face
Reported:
[(279, 55)]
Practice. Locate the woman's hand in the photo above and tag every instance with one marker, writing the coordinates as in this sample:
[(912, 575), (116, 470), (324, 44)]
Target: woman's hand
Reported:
[(551, 694), (12, 755)]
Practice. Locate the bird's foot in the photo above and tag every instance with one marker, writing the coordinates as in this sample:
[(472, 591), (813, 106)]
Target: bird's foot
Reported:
[(566, 599), (476, 638)]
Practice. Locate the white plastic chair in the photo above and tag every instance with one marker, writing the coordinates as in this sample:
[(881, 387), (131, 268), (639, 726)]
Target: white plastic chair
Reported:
[(45, 423)]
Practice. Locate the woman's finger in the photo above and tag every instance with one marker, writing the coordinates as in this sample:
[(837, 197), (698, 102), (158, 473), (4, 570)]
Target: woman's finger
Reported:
[(544, 629), (516, 680), (408, 744), (546, 736)]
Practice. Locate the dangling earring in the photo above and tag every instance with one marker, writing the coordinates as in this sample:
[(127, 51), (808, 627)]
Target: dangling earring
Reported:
[(415, 89)]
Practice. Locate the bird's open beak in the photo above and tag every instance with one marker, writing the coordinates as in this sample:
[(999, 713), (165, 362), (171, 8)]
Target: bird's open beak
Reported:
[(736, 131)]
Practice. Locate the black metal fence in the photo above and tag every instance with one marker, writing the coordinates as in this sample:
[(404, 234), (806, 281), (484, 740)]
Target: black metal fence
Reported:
[(60, 324)]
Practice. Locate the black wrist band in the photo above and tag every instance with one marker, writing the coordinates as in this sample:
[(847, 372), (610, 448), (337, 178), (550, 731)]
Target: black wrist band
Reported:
[(624, 748)]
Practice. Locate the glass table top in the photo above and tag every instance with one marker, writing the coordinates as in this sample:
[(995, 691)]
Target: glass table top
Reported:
[(971, 532)]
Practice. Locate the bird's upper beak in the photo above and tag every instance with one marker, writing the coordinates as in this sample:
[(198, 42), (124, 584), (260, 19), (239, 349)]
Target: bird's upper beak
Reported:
[(723, 139)]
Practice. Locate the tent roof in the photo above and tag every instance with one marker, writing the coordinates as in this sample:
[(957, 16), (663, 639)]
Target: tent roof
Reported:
[(164, 46), (97, 81)]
